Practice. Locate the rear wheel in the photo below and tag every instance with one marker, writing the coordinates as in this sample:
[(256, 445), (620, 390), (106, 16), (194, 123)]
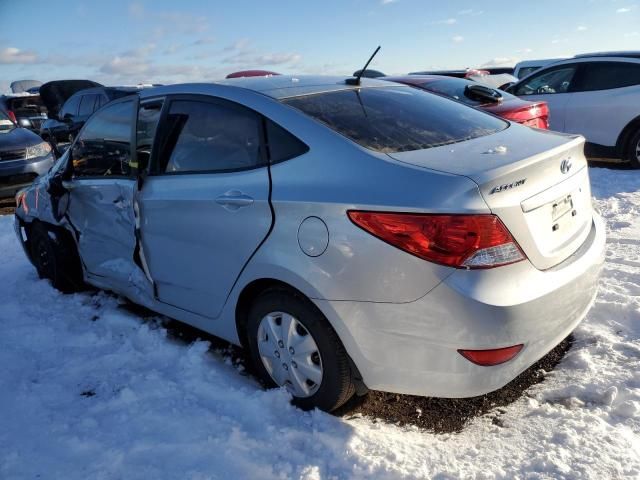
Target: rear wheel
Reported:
[(633, 150), (292, 345), (55, 258)]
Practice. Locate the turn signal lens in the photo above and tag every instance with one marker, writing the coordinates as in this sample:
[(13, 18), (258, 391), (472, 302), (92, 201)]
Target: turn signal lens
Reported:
[(461, 241), (489, 358)]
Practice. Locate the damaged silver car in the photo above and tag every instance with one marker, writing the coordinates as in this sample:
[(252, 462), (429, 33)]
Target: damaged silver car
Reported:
[(349, 235)]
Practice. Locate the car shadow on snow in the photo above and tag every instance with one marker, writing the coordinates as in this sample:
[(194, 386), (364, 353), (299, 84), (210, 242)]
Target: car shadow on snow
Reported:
[(438, 415)]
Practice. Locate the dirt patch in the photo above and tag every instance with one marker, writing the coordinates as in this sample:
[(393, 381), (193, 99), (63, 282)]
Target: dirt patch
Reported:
[(445, 415), (7, 206)]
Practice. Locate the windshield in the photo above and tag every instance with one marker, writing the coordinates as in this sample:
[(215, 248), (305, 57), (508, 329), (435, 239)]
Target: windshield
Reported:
[(5, 122), (396, 119)]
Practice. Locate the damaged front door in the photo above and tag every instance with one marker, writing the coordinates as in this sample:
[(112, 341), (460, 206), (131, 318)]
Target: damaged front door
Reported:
[(101, 201)]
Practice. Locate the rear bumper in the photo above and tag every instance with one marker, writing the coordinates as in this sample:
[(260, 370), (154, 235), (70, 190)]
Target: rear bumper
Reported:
[(411, 348), (16, 174)]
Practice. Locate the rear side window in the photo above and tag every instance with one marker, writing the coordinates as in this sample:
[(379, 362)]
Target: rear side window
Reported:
[(556, 80), (210, 137), (396, 119), (103, 147), (70, 107), (86, 105), (282, 145), (608, 75), (525, 71)]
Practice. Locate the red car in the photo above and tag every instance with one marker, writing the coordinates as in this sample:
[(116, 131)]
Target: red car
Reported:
[(505, 105), (251, 73)]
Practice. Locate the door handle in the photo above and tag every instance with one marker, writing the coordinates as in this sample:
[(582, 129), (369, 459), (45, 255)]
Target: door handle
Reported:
[(233, 200)]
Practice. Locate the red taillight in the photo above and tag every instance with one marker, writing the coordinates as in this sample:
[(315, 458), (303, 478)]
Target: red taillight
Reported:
[(12, 116), (536, 115), (489, 358), (461, 241)]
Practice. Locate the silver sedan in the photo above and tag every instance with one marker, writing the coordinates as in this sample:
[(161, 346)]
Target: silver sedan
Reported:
[(351, 237)]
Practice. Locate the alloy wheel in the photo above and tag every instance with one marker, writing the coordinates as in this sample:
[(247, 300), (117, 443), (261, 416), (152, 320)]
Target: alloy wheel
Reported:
[(290, 354)]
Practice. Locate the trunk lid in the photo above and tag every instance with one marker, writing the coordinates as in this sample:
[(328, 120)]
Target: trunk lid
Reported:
[(54, 94), (536, 181)]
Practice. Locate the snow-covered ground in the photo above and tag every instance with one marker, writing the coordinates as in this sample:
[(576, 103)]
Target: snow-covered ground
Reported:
[(90, 390)]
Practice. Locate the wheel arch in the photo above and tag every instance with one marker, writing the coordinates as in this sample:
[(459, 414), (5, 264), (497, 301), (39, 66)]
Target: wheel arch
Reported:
[(626, 134), (249, 293), (254, 288)]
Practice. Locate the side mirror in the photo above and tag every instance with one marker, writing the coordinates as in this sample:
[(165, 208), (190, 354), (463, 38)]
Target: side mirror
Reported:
[(68, 118)]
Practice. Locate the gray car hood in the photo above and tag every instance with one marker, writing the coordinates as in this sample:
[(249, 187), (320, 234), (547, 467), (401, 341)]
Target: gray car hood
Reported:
[(18, 138)]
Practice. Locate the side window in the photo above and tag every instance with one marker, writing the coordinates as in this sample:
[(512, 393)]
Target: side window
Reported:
[(86, 105), (607, 75), (525, 71), (100, 101), (556, 80), (70, 107), (148, 117), (282, 145), (210, 137), (103, 147)]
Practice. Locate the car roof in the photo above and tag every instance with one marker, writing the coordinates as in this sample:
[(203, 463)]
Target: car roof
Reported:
[(278, 87), (621, 54), (105, 89), (417, 79), (539, 61)]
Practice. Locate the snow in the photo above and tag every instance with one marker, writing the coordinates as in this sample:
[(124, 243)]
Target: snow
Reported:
[(90, 390)]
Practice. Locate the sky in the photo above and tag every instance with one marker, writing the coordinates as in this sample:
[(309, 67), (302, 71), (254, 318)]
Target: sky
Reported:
[(120, 42)]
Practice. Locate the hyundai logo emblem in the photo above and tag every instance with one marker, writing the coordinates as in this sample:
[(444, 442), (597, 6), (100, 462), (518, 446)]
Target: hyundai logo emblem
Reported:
[(565, 166)]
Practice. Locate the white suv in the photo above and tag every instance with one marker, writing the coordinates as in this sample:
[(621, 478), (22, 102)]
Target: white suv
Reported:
[(595, 95)]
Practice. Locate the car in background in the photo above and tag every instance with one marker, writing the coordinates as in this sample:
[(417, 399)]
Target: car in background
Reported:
[(349, 234), (494, 78), (368, 73), (251, 73), (460, 73), (527, 67), (25, 109), (505, 105), (25, 86), (71, 102), (594, 95), (23, 156)]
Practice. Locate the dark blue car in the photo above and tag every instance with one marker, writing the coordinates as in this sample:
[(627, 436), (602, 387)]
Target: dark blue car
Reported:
[(23, 156)]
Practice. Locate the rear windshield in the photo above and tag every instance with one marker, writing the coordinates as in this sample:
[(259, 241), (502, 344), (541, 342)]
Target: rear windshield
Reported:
[(396, 119), (456, 88)]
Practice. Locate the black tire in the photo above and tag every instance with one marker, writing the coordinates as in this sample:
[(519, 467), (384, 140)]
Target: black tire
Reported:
[(338, 382), (55, 258), (633, 150)]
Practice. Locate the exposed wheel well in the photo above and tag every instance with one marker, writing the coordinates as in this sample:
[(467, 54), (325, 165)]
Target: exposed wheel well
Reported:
[(623, 140), (247, 296)]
